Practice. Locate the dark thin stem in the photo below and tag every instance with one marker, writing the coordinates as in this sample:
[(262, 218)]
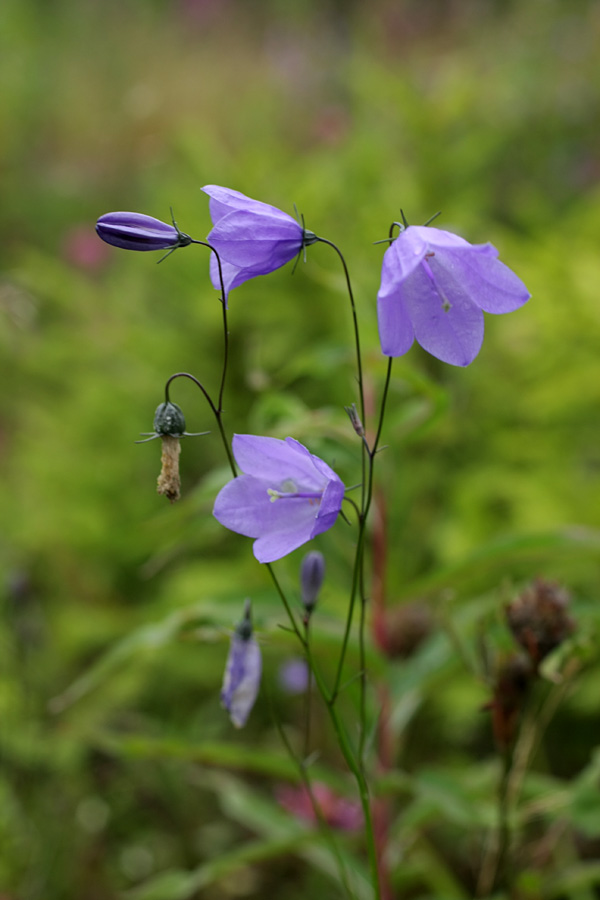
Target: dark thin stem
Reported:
[(361, 531), (362, 661), (216, 413), (383, 404), (225, 326), (355, 323), (308, 698), (288, 610)]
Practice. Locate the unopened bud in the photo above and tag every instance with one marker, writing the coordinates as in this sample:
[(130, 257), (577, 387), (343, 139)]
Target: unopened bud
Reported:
[(312, 574), (355, 420)]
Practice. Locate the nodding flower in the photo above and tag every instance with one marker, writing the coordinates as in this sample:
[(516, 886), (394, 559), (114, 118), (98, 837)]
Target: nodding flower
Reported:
[(251, 238), (435, 287)]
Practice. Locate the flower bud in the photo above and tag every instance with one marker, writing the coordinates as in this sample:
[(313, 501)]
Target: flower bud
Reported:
[(134, 231), (355, 420), (312, 573), (242, 672)]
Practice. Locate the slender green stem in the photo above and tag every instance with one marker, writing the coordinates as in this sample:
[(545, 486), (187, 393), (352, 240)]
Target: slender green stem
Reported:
[(361, 390), (342, 738), (308, 696), (323, 825), (362, 661), (218, 409), (358, 559), (359, 370), (353, 591)]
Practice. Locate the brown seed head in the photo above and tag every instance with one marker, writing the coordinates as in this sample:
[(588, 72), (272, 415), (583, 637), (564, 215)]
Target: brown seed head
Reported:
[(539, 619)]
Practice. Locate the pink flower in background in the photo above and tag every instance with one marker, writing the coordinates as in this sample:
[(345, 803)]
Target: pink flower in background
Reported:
[(338, 812)]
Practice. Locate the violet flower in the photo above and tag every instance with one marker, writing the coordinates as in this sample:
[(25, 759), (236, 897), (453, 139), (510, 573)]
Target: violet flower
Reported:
[(134, 231), (242, 672), (251, 238), (435, 287), (284, 498)]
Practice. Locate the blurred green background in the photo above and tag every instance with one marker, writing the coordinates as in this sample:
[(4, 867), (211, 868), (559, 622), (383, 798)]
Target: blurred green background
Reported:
[(115, 605)]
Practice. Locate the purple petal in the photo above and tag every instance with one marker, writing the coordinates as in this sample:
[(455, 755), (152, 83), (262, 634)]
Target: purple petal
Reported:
[(256, 241), (245, 506), (454, 335), (437, 239), (396, 333), (291, 535), (242, 679), (134, 231), (331, 503), (491, 285), (224, 200), (277, 461)]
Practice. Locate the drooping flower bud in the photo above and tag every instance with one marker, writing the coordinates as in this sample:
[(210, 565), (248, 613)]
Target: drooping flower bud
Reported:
[(355, 420), (312, 574), (242, 672), (135, 231)]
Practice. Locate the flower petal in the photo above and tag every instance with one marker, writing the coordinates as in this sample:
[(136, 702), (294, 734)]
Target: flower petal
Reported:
[(257, 241), (491, 285), (282, 525), (223, 200), (277, 461), (396, 333), (135, 231), (242, 679), (454, 335)]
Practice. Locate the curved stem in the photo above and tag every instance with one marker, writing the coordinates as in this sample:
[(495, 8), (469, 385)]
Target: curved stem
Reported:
[(355, 323), (216, 412)]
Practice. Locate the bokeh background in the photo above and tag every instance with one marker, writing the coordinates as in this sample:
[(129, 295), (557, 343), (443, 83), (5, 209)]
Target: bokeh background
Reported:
[(118, 770)]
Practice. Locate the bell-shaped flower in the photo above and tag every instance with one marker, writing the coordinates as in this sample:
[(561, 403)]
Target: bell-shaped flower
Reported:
[(242, 672), (135, 231), (251, 238), (284, 498), (435, 287)]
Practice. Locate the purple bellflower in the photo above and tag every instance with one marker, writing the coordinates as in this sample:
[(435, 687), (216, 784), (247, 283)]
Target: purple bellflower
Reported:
[(242, 672), (284, 498), (435, 287), (251, 238), (134, 231)]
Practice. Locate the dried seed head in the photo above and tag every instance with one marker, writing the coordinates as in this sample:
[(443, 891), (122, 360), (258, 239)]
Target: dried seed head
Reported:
[(539, 619)]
